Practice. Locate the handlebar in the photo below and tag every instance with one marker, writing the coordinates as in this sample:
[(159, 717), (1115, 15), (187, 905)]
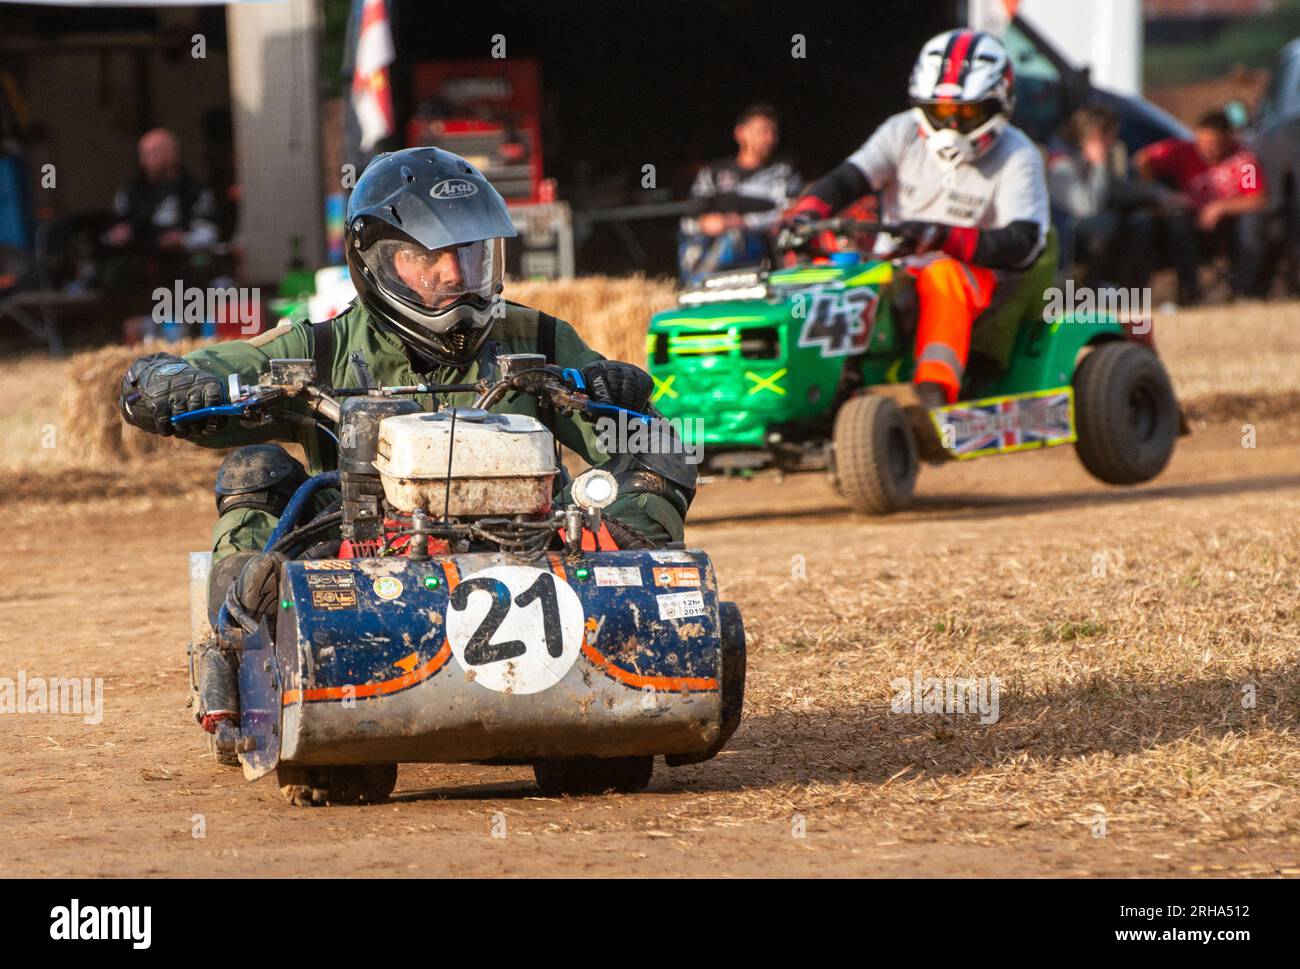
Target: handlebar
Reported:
[(800, 234), (254, 402)]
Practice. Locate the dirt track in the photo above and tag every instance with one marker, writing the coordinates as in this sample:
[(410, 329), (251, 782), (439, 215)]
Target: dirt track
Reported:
[(1121, 694)]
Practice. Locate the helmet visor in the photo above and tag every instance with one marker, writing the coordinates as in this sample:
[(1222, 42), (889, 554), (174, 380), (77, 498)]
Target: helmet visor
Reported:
[(961, 116), (435, 279)]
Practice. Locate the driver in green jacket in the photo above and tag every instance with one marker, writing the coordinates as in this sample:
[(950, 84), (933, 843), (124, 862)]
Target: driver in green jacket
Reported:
[(425, 247)]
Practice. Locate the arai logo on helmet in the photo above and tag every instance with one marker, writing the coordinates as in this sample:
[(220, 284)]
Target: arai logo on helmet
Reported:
[(453, 188)]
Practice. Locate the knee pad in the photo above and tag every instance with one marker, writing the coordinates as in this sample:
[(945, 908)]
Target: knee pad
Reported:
[(261, 476), (222, 577)]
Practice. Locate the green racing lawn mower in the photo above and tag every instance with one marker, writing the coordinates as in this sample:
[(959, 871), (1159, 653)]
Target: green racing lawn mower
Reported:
[(809, 368)]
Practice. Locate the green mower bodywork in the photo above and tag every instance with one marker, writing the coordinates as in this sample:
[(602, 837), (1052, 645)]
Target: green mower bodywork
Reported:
[(809, 368)]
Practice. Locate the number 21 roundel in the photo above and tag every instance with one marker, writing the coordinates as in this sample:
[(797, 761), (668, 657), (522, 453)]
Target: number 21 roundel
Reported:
[(517, 629)]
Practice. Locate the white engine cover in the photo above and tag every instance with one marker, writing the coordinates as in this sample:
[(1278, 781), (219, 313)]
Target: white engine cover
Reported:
[(501, 464)]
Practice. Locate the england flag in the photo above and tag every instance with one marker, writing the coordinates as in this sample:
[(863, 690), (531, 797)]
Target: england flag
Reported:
[(372, 98)]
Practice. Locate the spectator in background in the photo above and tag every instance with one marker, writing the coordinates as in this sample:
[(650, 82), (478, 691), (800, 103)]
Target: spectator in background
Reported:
[(1222, 201), (163, 208), (164, 229), (739, 200), (1101, 214)]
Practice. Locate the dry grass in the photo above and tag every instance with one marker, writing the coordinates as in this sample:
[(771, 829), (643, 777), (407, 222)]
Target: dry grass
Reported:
[(1244, 348), (1127, 643)]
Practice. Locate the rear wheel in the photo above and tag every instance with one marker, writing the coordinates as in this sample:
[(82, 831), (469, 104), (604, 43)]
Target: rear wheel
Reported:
[(557, 776), (349, 784), (1126, 414), (875, 455)]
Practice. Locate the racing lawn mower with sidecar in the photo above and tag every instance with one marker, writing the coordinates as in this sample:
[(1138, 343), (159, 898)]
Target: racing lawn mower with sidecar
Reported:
[(448, 609), (809, 368)]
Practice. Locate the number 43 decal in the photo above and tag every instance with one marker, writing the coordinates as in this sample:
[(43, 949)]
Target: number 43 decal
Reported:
[(514, 629), (838, 321)]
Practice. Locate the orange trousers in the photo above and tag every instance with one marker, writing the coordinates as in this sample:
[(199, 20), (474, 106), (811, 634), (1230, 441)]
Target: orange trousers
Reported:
[(951, 294)]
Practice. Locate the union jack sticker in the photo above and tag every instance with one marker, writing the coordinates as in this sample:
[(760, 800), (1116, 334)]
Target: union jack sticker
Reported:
[(1002, 425)]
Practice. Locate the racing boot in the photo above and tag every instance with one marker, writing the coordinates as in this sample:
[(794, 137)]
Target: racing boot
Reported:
[(932, 395), (217, 669)]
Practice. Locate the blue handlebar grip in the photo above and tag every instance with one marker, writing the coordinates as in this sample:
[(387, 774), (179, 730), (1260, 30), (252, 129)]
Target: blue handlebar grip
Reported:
[(197, 415), (596, 405), (574, 374)]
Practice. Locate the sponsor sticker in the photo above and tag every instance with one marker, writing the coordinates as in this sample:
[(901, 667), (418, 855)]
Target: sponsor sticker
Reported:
[(677, 576), (671, 555), (618, 575), (333, 599), (332, 580), (388, 588), (680, 605), (327, 565)]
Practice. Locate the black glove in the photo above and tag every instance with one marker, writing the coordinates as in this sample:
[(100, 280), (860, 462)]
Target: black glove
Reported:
[(162, 384), (625, 536), (621, 384), (921, 237)]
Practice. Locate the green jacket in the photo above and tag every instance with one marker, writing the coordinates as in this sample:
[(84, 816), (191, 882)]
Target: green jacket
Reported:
[(516, 332)]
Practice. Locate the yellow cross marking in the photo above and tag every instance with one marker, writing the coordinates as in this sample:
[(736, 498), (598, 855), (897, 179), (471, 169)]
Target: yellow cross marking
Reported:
[(766, 383), (663, 387)]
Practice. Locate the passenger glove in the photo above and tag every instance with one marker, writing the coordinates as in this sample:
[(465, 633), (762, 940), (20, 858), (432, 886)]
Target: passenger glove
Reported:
[(161, 385), (620, 384)]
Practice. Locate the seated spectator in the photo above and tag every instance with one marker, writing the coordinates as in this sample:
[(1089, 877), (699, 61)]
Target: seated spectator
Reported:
[(164, 207), (740, 201), (1101, 214), (1221, 204), (164, 229)]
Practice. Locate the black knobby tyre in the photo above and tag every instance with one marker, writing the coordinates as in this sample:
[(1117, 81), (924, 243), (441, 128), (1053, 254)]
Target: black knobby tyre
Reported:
[(574, 776), (1126, 415), (350, 784), (875, 455)]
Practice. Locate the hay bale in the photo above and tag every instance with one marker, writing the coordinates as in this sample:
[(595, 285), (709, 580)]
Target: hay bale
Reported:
[(92, 426), (610, 313)]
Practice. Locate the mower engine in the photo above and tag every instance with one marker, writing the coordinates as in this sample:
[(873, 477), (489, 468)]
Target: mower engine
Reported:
[(464, 464)]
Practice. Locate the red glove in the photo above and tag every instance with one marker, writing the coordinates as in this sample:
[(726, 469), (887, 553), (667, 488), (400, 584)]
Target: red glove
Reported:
[(809, 208)]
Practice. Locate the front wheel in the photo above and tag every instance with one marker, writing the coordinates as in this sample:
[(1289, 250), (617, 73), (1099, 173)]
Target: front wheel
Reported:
[(875, 455), (1126, 414), (574, 776), (350, 784)]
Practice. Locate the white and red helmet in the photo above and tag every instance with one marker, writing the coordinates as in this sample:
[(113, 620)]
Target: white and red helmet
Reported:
[(963, 92)]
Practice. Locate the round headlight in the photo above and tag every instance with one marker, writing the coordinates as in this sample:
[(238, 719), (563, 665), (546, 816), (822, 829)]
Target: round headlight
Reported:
[(595, 489)]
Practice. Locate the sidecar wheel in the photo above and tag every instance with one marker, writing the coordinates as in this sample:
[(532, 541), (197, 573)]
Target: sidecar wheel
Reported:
[(733, 685), (574, 776), (314, 786)]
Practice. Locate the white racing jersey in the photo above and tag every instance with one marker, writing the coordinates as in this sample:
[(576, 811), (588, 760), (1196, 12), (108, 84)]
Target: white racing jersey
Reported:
[(1006, 184)]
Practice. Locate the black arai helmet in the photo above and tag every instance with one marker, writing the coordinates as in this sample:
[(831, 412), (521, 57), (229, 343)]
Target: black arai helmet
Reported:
[(425, 248)]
